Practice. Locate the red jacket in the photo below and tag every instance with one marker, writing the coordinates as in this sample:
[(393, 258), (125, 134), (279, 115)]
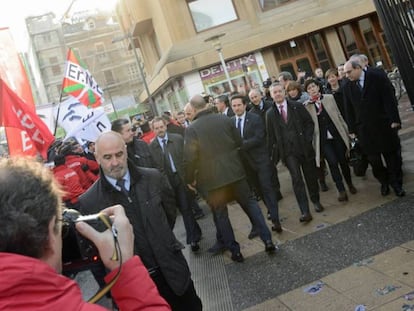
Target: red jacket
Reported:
[(70, 182), (29, 284), (148, 137), (77, 163)]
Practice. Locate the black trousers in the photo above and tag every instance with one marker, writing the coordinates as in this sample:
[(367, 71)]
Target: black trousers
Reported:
[(392, 173), (240, 192), (192, 228), (187, 301), (334, 151), (295, 166)]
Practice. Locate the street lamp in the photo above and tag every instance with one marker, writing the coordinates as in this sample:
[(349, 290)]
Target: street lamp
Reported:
[(215, 41), (141, 70)]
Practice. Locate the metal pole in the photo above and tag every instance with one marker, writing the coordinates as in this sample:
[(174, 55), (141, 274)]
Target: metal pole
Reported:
[(223, 64), (112, 103), (144, 80)]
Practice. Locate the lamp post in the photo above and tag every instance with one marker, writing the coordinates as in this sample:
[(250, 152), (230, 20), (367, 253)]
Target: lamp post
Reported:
[(215, 41), (141, 70)]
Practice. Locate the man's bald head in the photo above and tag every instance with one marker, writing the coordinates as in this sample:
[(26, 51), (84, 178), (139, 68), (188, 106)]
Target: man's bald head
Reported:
[(111, 137), (198, 102), (111, 154), (189, 112)]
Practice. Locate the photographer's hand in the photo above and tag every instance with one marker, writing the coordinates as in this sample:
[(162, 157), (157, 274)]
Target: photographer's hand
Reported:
[(104, 241)]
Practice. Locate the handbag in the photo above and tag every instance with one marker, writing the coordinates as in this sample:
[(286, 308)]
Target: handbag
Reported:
[(357, 159)]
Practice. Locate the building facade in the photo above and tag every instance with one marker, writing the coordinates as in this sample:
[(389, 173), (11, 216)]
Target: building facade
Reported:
[(257, 38), (95, 38)]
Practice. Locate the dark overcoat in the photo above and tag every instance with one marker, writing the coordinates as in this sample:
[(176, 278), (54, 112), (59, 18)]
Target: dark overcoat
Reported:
[(370, 112), (156, 202)]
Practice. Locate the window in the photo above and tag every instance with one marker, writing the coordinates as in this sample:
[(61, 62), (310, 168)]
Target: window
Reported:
[(271, 4), (133, 72), (319, 49), (100, 52), (348, 41), (47, 38), (211, 13), (56, 70), (91, 24), (109, 77)]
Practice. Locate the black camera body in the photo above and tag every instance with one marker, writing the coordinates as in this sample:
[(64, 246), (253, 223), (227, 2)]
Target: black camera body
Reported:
[(77, 249)]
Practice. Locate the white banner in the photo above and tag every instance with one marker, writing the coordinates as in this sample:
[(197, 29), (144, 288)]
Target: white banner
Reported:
[(80, 122)]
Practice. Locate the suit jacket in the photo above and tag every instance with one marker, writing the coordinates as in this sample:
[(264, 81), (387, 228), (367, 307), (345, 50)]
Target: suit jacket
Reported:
[(370, 112), (253, 148), (261, 112), (175, 145), (156, 202), (301, 121), (211, 152), (229, 112), (329, 104), (139, 153)]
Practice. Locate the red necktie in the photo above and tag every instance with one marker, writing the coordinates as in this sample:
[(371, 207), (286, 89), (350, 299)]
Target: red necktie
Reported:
[(283, 113)]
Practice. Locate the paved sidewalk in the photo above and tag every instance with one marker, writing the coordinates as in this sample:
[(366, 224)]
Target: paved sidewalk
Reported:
[(356, 253)]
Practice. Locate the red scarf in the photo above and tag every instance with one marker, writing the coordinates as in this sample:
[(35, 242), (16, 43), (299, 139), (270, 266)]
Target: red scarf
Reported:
[(317, 100)]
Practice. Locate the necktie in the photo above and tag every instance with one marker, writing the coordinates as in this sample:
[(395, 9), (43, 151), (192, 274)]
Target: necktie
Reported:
[(239, 120), (283, 113), (359, 84), (121, 184), (167, 161)]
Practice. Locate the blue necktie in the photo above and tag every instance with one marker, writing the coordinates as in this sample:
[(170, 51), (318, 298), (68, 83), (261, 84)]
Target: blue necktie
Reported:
[(239, 120)]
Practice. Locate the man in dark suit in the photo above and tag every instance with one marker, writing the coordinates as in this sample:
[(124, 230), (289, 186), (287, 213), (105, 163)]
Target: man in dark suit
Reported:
[(212, 165), (290, 134), (223, 105), (371, 111), (138, 151), (149, 204), (255, 156), (167, 152), (260, 104)]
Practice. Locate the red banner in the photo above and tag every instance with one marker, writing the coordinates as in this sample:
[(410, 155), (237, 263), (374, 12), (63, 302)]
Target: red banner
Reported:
[(15, 113), (13, 73)]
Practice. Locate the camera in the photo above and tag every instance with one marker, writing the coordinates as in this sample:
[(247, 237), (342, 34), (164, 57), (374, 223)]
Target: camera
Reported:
[(77, 250)]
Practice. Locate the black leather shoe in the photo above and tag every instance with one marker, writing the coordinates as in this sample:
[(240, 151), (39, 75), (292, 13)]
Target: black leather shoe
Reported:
[(277, 227), (385, 189), (270, 246), (279, 195), (306, 218), (195, 246), (216, 249), (352, 189), (318, 207), (237, 257), (399, 192), (253, 234)]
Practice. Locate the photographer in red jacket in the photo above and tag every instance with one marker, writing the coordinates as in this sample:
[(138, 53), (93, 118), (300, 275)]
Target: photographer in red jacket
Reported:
[(31, 248)]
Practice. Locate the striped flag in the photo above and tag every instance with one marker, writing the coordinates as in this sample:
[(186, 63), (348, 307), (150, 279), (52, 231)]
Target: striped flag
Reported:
[(79, 82)]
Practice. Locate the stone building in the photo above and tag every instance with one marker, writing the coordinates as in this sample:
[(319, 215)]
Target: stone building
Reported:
[(257, 38)]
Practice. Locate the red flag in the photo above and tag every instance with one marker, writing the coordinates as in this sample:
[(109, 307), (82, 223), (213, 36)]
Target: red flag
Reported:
[(15, 113), (12, 72), (79, 82)]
